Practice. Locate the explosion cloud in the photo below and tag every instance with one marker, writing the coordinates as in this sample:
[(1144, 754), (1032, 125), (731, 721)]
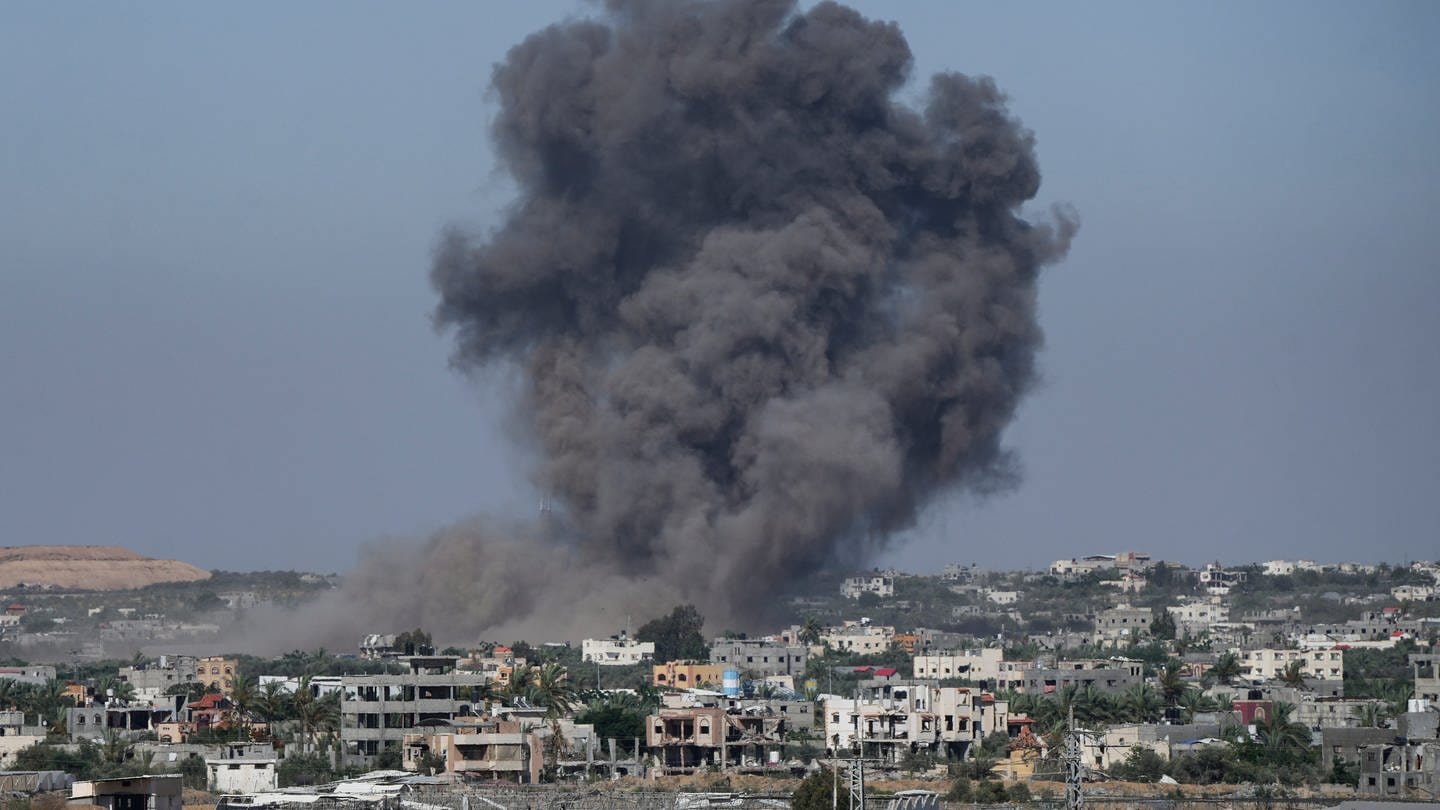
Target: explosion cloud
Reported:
[(764, 310)]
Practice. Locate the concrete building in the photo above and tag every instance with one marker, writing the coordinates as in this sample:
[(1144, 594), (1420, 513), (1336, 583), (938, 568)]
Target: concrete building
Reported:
[(978, 666), (129, 793), (156, 679), (242, 774), (377, 711), (859, 636), (881, 585), (1409, 765), (217, 672), (760, 658), (488, 749), (617, 651), (1104, 675), (688, 739), (890, 719), (1196, 616), (687, 674), (1122, 623), (1427, 678), (34, 674), (1268, 664)]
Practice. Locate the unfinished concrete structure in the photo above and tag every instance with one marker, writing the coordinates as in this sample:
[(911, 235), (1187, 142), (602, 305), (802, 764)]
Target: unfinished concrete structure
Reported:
[(377, 711), (684, 740)]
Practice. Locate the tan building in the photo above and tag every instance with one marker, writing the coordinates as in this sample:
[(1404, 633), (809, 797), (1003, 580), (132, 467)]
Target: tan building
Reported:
[(687, 674), (687, 739), (487, 749), (217, 672)]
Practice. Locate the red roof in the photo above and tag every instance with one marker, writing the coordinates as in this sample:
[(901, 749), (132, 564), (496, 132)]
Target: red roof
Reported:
[(886, 672), (863, 668), (210, 700)]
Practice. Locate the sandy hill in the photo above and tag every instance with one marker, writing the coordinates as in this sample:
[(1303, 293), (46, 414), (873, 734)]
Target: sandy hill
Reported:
[(90, 568)]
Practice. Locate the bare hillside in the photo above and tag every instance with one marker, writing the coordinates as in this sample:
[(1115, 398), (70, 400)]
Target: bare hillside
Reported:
[(92, 568)]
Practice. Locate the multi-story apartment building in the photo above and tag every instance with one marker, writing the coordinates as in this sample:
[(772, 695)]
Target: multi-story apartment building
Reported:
[(896, 718), (881, 585), (1199, 615), (154, 680), (759, 657), (1122, 623), (377, 711), (1265, 664), (1104, 675), (217, 672), (617, 651), (859, 636), (977, 666)]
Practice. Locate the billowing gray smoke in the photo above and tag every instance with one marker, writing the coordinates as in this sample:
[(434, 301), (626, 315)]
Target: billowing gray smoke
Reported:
[(764, 310)]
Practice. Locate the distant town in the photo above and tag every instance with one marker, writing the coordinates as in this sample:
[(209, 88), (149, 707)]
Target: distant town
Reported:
[(1119, 672)]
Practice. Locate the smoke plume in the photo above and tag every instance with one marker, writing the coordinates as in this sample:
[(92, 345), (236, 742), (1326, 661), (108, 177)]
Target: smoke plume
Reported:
[(765, 311)]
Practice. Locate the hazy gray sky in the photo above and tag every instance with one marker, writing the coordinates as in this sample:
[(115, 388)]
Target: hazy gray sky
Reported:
[(216, 221)]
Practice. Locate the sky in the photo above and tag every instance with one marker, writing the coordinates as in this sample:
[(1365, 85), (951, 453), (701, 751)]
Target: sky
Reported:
[(216, 224)]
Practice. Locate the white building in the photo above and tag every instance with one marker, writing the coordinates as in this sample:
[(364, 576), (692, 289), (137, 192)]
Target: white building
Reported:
[(616, 651), (1196, 616), (241, 775), (944, 719), (860, 637), (881, 585), (1003, 597)]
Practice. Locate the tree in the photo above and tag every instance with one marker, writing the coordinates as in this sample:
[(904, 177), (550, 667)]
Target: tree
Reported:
[(816, 792), (1227, 668), (242, 699), (1163, 625), (810, 631), (1294, 675), (1171, 683), (1371, 715), (677, 637)]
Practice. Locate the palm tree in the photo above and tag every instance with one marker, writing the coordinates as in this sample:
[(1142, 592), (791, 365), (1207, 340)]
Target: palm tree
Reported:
[(319, 716), (521, 678), (1294, 675), (810, 631), (1142, 704), (1192, 702), (242, 699), (1281, 736), (552, 689), (1227, 668), (1371, 715), (270, 703), (1171, 682)]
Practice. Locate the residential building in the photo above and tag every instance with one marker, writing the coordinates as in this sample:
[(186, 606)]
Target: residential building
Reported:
[(1002, 597), (1122, 623), (687, 739), (129, 793), (1409, 765), (1266, 664), (158, 678), (978, 666), (881, 585), (485, 749), (616, 651), (859, 636), (760, 658), (1105, 675), (241, 774), (1217, 580), (1427, 678), (890, 719), (378, 710), (34, 674), (1197, 616), (688, 674), (15, 737), (956, 572), (217, 672)]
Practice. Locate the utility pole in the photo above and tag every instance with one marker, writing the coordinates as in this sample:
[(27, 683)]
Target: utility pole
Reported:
[(1074, 766)]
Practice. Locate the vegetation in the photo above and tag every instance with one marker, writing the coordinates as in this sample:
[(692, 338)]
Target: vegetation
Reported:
[(677, 636)]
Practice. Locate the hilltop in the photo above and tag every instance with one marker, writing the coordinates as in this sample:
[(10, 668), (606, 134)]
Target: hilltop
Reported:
[(89, 568)]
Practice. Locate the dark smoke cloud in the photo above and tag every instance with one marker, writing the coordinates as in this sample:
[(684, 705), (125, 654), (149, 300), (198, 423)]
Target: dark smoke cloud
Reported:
[(764, 310)]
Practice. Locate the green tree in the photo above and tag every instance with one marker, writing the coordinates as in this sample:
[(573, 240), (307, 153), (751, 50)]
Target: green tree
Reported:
[(1227, 668), (677, 636), (1294, 675), (1163, 625), (818, 790)]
